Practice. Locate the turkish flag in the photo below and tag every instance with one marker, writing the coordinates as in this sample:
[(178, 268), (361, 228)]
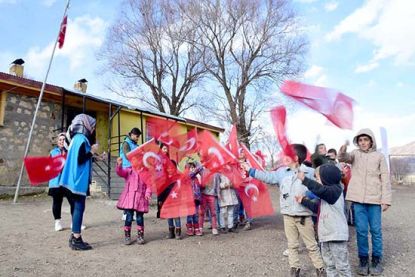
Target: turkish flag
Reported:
[(213, 154), (154, 167), (278, 116), (187, 144), (253, 193), (165, 131), (62, 32), (180, 201), (43, 169), (255, 198), (335, 106), (233, 144)]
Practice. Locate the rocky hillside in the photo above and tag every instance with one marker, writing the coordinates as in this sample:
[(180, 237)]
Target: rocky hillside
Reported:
[(405, 149)]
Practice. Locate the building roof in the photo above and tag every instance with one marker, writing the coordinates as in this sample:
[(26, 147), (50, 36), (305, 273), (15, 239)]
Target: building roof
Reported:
[(12, 80)]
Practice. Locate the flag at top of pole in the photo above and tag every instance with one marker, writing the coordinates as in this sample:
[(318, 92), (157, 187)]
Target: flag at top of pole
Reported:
[(61, 37)]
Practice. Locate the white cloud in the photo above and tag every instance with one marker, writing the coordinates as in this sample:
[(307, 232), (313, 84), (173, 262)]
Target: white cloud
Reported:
[(366, 67), (316, 75), (84, 35), (331, 6), (386, 24), (48, 3)]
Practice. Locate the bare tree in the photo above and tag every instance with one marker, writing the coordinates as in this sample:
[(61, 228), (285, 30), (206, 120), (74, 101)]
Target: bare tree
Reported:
[(400, 167), (269, 145), (247, 45), (147, 47)]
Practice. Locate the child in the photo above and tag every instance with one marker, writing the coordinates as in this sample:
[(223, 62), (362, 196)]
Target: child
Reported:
[(227, 203), (209, 197), (370, 191), (297, 218), (193, 220), (134, 198), (333, 232), (57, 192)]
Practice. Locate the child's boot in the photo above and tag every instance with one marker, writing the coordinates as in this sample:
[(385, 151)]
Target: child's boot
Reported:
[(363, 266), (127, 236), (190, 231), (376, 266), (171, 232), (178, 233), (140, 235), (198, 231)]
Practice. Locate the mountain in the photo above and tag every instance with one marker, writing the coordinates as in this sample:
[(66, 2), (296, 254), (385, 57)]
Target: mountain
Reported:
[(407, 149)]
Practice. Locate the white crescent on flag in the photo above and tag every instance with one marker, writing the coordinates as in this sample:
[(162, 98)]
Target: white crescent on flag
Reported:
[(214, 151), (255, 188), (188, 145), (148, 155)]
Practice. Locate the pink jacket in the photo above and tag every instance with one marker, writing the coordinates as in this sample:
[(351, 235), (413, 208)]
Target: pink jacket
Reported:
[(134, 193)]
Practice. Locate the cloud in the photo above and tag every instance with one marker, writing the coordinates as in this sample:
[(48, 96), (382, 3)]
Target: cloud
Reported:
[(331, 6), (84, 35), (366, 67), (48, 3), (316, 75), (386, 24)]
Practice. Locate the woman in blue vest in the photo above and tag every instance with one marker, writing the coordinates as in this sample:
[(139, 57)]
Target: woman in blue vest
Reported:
[(57, 192), (76, 174)]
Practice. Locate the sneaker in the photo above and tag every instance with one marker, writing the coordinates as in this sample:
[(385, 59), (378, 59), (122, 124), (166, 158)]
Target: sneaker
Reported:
[(363, 268), (247, 226), (286, 253), (232, 230), (78, 244), (58, 225), (376, 267), (223, 230), (215, 232), (83, 227)]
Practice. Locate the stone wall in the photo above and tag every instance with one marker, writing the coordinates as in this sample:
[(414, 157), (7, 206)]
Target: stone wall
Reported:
[(14, 134)]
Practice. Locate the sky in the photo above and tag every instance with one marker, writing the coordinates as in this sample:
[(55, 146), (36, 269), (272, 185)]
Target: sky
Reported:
[(365, 49)]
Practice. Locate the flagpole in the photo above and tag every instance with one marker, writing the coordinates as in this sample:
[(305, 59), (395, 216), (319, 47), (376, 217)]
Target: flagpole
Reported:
[(16, 194)]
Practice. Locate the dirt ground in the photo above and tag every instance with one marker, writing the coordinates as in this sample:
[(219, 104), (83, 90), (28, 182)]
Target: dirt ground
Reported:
[(29, 246)]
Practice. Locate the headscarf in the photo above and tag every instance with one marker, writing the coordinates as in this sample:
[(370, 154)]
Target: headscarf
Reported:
[(81, 124)]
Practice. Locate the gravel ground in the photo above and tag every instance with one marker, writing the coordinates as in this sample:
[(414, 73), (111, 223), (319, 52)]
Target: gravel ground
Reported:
[(30, 247)]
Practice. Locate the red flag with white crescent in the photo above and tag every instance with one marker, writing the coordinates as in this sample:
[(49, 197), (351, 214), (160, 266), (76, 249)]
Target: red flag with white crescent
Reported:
[(233, 144), (334, 105), (43, 169), (180, 201), (62, 32), (278, 116), (187, 144)]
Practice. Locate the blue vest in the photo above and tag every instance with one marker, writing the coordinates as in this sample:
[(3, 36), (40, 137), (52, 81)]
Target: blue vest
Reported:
[(54, 183), (76, 177), (133, 145)]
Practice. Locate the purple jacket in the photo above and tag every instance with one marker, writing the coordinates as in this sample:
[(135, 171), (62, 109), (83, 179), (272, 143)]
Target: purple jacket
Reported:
[(133, 197)]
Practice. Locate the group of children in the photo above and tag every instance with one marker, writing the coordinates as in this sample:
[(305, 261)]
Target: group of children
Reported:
[(304, 192)]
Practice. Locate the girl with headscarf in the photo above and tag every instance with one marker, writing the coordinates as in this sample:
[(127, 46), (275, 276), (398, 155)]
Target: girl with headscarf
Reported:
[(76, 174)]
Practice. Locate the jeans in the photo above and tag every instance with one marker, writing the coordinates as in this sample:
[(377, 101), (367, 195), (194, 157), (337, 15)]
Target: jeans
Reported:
[(365, 216), (174, 222), (78, 202), (226, 215), (129, 218), (193, 219)]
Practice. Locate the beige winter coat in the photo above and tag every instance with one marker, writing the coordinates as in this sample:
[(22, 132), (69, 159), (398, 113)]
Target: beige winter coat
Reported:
[(370, 182)]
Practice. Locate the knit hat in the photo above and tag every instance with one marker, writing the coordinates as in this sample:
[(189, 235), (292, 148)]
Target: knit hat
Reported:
[(330, 174)]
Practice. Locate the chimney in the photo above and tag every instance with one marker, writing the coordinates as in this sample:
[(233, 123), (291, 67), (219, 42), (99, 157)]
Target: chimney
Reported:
[(81, 85), (16, 68)]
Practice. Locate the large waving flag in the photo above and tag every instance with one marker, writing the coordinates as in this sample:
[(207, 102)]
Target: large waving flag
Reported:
[(253, 193), (334, 105), (233, 144), (43, 169), (278, 116), (62, 32), (180, 201)]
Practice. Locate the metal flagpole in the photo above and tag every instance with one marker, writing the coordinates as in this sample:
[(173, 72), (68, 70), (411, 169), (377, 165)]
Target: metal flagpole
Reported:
[(37, 108)]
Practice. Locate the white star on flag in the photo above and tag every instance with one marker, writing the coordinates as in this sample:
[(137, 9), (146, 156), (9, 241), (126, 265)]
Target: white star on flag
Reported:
[(174, 194), (159, 167)]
